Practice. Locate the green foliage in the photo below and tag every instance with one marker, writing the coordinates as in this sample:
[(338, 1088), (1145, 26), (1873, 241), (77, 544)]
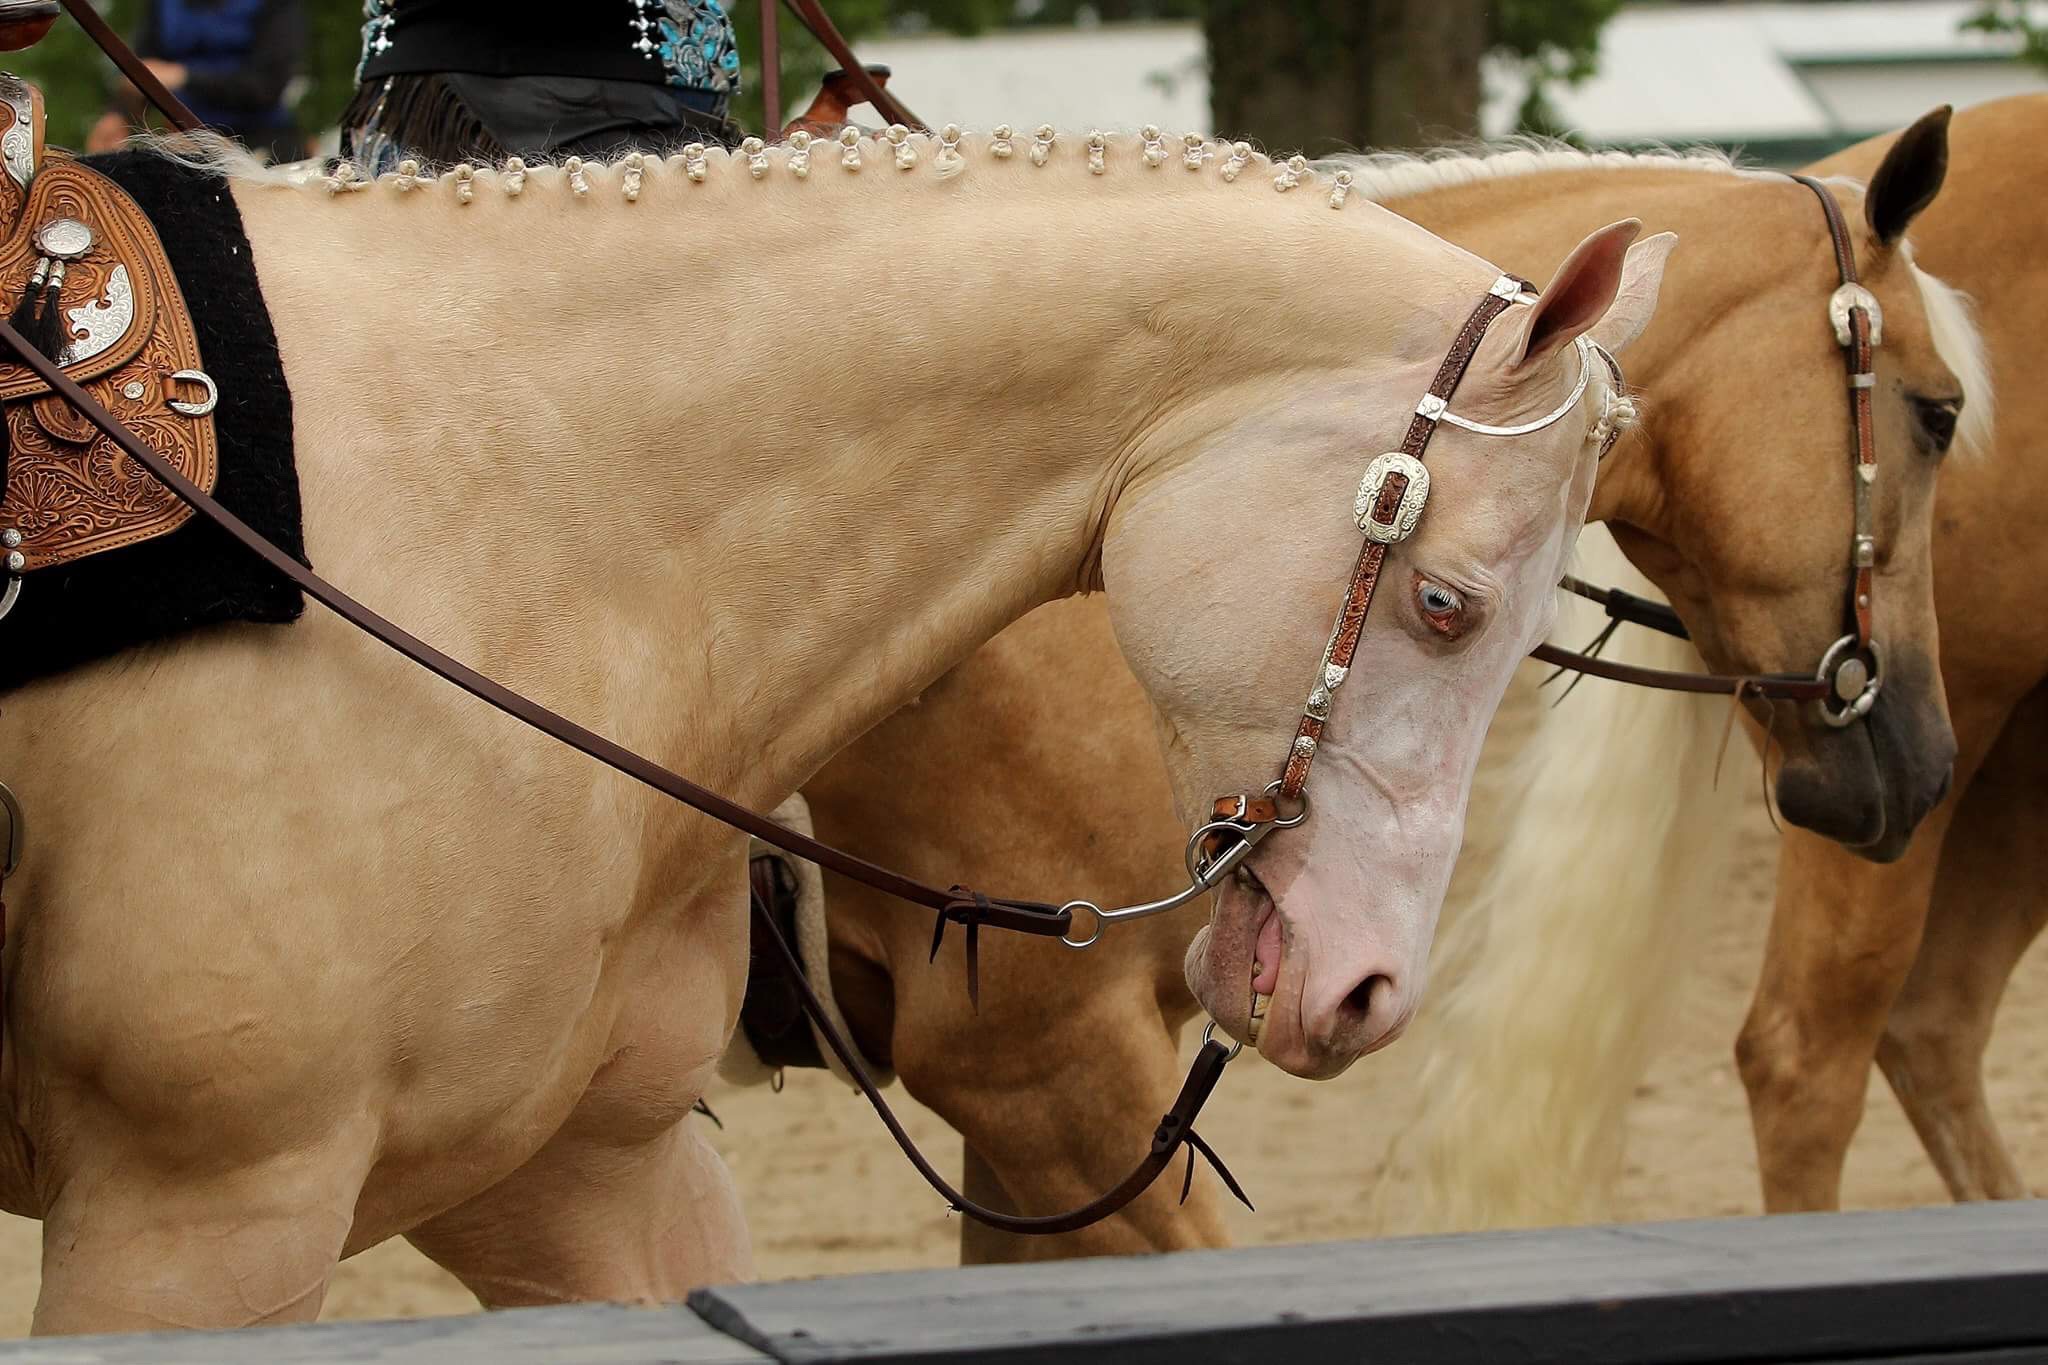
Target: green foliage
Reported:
[(2014, 17), (1556, 42), (76, 80)]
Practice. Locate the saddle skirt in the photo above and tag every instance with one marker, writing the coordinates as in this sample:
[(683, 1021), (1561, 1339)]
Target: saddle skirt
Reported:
[(111, 307)]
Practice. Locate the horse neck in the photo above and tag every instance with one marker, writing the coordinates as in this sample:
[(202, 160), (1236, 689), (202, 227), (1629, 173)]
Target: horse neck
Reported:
[(782, 454)]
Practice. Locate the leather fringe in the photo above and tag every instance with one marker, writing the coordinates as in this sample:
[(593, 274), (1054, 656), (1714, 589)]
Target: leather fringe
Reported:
[(424, 115)]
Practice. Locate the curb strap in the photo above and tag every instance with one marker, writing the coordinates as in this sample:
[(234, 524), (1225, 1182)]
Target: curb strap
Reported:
[(1176, 1128)]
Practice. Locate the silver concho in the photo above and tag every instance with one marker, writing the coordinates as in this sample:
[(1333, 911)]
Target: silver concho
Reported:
[(1406, 513), (1855, 296), (64, 239)]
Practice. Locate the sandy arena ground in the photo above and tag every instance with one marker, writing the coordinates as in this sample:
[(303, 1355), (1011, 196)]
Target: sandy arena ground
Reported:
[(827, 1192)]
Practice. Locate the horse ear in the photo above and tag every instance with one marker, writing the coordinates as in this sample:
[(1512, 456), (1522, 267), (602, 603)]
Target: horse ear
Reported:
[(1578, 295), (1642, 276), (1909, 176)]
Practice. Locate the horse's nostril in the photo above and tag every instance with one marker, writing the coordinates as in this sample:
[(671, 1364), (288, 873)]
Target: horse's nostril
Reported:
[(1360, 999)]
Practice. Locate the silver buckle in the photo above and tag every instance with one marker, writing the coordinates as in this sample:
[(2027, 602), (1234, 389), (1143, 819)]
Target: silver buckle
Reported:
[(1855, 296), (1406, 513)]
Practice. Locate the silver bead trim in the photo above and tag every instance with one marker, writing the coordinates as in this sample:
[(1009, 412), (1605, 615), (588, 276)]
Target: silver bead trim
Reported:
[(10, 537)]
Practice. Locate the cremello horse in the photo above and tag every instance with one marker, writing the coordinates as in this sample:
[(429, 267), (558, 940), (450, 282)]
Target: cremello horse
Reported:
[(1734, 494), (313, 951)]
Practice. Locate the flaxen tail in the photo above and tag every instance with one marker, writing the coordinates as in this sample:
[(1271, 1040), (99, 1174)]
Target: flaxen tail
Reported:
[(1563, 950)]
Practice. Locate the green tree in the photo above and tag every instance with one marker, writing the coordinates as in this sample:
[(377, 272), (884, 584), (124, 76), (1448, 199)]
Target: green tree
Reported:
[(1329, 75), (2015, 17)]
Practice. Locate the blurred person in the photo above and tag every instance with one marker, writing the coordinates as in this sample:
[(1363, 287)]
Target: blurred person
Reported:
[(229, 60), (478, 80)]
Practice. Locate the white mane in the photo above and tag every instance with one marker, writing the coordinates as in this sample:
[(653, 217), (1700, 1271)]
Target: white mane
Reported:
[(1388, 176)]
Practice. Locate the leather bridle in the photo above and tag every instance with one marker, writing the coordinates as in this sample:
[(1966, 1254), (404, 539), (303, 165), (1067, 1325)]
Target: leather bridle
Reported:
[(1846, 683), (1390, 502)]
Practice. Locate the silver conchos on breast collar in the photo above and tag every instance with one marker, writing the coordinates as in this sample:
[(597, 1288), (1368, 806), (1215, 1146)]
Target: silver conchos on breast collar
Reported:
[(1388, 507)]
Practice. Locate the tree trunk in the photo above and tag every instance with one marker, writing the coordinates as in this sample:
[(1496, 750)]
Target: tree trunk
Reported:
[(1321, 76)]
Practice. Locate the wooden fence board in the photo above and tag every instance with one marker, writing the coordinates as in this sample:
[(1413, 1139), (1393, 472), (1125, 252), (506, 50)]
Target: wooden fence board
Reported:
[(1948, 1286), (1825, 1287)]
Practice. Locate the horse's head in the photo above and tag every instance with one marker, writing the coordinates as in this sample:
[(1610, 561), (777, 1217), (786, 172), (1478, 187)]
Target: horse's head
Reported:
[(1739, 497), (1329, 922)]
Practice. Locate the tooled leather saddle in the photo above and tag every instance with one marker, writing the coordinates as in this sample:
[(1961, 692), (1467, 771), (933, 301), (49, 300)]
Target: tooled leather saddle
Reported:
[(84, 274)]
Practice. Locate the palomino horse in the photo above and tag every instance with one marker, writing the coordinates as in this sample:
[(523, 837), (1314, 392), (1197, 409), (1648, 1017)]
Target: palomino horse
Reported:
[(313, 952), (1904, 962), (1735, 494)]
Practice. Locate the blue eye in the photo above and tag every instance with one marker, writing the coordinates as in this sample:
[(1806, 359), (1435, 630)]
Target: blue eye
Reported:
[(1438, 600)]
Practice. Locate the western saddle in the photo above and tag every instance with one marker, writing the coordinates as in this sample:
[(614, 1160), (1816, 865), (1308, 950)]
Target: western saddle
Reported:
[(83, 273)]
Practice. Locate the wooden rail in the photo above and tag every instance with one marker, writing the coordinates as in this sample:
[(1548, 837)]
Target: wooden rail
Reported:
[(1946, 1285)]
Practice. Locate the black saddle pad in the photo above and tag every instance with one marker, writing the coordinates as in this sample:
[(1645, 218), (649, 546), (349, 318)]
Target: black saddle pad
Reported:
[(195, 576)]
